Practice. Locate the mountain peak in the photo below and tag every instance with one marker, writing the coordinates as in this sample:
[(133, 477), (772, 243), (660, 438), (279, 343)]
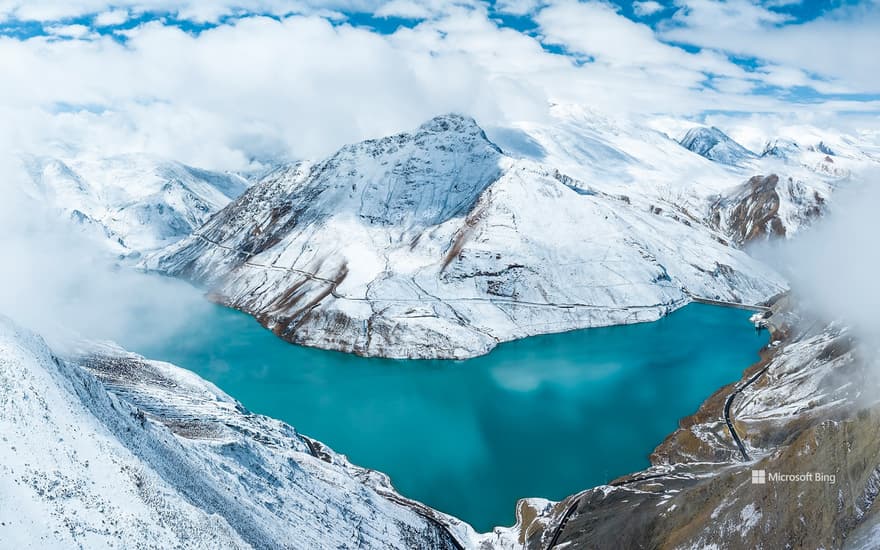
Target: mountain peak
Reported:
[(450, 122), (781, 147), (455, 124), (713, 144), (823, 148)]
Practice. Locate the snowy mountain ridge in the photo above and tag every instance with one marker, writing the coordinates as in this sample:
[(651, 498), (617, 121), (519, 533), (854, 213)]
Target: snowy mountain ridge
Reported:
[(715, 145), (438, 244), (579, 222), (109, 449), (132, 203), (442, 236)]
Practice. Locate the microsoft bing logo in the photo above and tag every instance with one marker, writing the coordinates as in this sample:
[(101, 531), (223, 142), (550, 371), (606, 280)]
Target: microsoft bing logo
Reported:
[(759, 477)]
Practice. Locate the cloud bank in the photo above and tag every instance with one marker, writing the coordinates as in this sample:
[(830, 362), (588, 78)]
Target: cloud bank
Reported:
[(274, 78), (59, 284), (833, 266)]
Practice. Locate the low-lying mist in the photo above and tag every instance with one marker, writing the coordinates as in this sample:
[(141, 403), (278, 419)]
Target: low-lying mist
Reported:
[(833, 266), (57, 281)]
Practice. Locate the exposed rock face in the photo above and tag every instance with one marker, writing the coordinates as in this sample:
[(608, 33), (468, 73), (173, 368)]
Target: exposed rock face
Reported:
[(437, 244), (132, 203), (765, 207), (809, 407), (112, 450), (715, 145)]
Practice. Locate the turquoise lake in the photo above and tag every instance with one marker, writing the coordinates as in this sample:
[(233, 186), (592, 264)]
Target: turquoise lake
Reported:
[(542, 417)]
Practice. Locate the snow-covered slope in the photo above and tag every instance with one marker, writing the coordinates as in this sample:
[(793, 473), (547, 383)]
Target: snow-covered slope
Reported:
[(109, 450), (715, 145), (438, 244), (620, 156), (793, 186), (133, 203), (782, 148)]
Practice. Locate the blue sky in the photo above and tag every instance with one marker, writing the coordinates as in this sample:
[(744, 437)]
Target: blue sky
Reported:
[(14, 25)]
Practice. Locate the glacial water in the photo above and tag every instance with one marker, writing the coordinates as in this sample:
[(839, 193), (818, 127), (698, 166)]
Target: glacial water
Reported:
[(542, 417)]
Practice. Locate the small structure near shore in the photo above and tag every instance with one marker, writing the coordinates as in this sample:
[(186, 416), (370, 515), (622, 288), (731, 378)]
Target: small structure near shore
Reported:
[(760, 320)]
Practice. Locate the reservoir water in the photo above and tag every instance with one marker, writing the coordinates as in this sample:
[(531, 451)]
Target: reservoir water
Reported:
[(542, 417)]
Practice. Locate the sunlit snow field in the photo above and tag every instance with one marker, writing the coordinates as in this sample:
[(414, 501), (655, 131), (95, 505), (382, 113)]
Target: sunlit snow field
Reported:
[(538, 417)]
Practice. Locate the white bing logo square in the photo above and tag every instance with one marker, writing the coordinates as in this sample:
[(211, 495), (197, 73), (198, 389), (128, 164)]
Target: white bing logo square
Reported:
[(759, 477)]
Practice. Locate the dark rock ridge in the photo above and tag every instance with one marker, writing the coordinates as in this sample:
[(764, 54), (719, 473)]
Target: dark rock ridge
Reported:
[(753, 211)]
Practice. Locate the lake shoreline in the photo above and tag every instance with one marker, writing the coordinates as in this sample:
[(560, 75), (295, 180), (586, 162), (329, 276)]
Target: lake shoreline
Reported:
[(463, 422)]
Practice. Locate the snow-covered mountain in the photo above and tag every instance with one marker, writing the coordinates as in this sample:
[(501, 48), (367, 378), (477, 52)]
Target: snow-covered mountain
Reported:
[(109, 450), (715, 145), (792, 186), (133, 203), (619, 156), (781, 148), (436, 243), (766, 207)]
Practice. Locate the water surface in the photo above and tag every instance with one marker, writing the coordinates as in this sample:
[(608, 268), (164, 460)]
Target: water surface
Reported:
[(542, 417)]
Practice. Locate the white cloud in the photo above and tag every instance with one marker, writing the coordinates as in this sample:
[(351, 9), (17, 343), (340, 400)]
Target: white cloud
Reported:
[(629, 48), (196, 10), (424, 9), (69, 31), (649, 7), (833, 267), (517, 7), (301, 82), (404, 8), (838, 45), (301, 86), (111, 18), (54, 282)]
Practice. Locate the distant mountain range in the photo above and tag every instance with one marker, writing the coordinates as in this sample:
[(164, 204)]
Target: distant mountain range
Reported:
[(445, 241), (715, 145), (133, 203)]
